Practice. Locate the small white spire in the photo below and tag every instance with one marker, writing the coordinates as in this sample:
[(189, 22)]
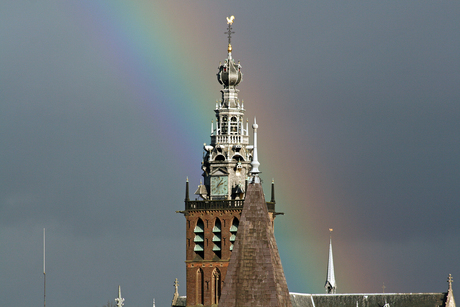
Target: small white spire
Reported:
[(255, 160), (450, 301), (176, 293), (331, 285), (119, 299)]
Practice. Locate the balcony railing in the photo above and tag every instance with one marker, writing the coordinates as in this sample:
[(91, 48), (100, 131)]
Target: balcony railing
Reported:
[(229, 139), (191, 205)]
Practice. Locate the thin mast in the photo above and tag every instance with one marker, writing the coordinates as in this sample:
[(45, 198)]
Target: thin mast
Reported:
[(44, 271)]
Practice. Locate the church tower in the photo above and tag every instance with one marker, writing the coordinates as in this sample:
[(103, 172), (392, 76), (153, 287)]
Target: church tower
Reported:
[(212, 219)]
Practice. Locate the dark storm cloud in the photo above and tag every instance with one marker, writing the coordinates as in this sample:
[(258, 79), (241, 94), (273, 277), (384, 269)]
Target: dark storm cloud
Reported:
[(373, 84)]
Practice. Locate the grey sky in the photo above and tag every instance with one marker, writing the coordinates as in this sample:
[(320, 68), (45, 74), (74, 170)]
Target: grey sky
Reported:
[(367, 91)]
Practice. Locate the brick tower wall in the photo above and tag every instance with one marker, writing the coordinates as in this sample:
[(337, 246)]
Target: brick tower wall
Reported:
[(210, 262)]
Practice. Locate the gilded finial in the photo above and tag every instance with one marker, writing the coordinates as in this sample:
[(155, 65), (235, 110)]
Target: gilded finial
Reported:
[(230, 19)]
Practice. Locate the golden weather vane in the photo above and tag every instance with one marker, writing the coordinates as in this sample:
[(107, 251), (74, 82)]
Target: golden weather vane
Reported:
[(230, 19), (229, 31)]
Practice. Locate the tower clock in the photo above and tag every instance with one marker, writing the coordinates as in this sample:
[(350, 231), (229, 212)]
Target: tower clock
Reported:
[(219, 186)]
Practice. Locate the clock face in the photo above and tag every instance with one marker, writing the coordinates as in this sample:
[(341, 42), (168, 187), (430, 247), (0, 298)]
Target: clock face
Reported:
[(219, 185)]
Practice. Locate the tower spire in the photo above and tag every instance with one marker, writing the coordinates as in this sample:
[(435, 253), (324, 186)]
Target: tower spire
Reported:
[(229, 76), (176, 293), (450, 301), (255, 160), (227, 180), (187, 198), (119, 299), (331, 285)]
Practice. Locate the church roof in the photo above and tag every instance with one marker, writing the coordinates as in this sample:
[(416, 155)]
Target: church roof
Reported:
[(255, 276), (181, 301), (361, 299), (366, 299)]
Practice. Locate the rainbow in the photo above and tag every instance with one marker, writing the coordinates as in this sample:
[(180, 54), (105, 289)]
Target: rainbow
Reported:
[(167, 63)]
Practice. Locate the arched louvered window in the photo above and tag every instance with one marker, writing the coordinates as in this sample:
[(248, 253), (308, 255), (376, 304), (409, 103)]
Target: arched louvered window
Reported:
[(216, 286), (233, 230), (199, 238), (217, 238)]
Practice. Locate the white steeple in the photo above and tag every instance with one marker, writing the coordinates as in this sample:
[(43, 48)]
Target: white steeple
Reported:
[(119, 299), (255, 159), (450, 301), (331, 285)]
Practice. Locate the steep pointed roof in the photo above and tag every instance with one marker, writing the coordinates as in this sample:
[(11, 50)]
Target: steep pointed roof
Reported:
[(119, 299), (450, 301), (331, 285), (255, 276)]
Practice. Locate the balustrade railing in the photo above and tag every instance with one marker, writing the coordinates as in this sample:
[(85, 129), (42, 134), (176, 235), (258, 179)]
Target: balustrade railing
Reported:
[(229, 139), (220, 205)]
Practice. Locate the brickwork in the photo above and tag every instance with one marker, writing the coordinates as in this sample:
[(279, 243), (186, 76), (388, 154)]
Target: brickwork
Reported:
[(202, 285), (201, 267)]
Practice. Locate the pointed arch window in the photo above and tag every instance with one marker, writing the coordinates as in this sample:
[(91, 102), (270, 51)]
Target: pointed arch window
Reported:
[(199, 238), (216, 286), (199, 287)]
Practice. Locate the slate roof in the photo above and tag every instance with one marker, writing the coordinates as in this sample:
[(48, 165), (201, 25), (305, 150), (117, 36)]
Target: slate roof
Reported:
[(255, 276), (181, 301), (363, 299), (369, 300)]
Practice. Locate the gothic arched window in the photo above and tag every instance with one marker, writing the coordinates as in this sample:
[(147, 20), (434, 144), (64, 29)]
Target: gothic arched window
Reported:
[(199, 287), (216, 286)]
